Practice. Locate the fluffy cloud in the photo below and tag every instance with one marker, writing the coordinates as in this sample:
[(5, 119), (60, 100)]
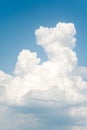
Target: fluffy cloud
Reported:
[(50, 94)]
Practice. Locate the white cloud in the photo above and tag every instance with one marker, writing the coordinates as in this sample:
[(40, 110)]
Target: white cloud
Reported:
[(81, 71), (51, 90), (27, 61)]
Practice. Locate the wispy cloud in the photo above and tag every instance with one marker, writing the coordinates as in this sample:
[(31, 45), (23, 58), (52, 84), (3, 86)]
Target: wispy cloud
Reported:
[(51, 94)]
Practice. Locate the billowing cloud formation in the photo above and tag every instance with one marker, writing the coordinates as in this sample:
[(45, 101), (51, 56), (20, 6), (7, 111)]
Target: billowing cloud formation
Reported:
[(50, 94)]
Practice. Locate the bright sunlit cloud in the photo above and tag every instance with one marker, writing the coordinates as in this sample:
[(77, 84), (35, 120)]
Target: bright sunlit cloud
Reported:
[(50, 94)]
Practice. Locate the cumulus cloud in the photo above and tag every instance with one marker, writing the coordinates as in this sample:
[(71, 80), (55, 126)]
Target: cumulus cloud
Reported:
[(51, 94)]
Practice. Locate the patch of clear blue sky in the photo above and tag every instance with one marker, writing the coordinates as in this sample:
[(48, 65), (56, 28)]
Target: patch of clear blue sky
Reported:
[(20, 18)]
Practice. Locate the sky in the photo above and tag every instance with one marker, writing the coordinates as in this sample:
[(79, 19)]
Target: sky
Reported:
[(43, 67), (20, 18)]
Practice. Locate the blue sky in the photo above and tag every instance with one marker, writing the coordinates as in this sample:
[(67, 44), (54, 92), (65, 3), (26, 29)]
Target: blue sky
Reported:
[(20, 18)]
